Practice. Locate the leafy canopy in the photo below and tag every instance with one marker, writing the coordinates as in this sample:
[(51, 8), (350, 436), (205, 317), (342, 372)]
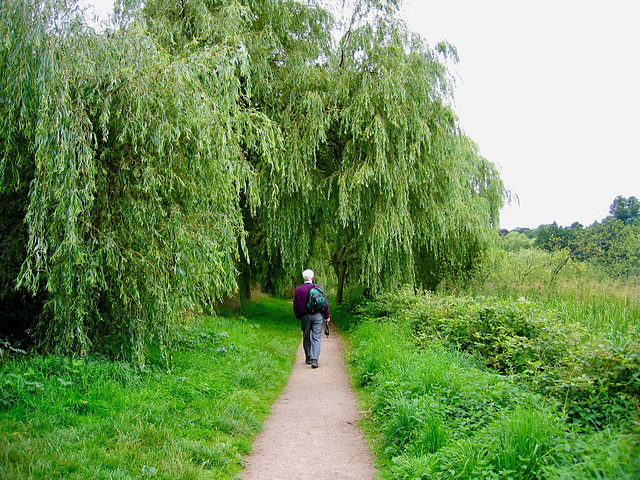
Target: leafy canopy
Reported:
[(146, 165), (380, 178), (128, 160)]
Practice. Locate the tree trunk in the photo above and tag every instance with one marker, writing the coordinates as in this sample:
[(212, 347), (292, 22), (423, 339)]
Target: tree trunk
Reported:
[(341, 275), (339, 263)]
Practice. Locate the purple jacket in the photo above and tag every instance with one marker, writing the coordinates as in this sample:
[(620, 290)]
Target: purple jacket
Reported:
[(300, 299)]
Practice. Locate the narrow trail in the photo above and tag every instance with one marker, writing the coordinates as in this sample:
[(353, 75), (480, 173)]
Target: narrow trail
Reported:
[(312, 432)]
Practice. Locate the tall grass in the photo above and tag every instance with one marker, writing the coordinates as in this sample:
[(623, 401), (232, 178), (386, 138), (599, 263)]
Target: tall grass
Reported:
[(605, 305), (437, 411), (437, 414), (90, 418), (609, 307)]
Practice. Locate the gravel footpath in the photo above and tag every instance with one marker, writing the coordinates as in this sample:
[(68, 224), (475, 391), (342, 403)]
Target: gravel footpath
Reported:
[(312, 432)]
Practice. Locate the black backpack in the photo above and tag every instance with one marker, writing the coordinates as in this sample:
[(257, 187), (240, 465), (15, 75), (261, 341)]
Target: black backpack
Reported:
[(317, 300)]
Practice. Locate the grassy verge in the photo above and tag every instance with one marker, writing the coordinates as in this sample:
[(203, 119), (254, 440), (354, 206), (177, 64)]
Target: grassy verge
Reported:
[(94, 419), (551, 404)]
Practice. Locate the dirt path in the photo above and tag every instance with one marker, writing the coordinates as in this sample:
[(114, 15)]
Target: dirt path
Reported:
[(311, 433)]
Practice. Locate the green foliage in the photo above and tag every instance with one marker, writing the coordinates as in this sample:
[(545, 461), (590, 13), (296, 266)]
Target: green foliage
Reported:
[(604, 304), (553, 237), (605, 455), (376, 159), (595, 381), (438, 413), (144, 167), (610, 246), (515, 241), (524, 272), (93, 418), (627, 210), (129, 161), (608, 308)]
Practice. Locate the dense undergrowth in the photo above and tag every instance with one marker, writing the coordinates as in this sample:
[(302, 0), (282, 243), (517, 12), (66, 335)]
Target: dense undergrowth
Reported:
[(92, 418), (464, 388)]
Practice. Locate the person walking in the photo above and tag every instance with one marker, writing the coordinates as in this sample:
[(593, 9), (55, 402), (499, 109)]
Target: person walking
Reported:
[(310, 322)]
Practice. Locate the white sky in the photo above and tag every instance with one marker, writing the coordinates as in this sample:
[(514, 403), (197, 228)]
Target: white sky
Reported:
[(550, 91)]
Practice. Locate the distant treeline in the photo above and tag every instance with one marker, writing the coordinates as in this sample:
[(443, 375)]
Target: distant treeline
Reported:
[(611, 245)]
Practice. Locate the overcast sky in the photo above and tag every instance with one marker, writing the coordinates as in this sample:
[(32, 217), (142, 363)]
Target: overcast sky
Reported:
[(550, 91)]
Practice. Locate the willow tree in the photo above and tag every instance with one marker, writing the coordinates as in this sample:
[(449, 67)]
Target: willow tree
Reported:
[(282, 39), (381, 181), (136, 163), (376, 176), (124, 161)]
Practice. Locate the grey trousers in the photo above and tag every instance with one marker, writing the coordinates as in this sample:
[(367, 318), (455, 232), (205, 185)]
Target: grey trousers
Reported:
[(311, 325)]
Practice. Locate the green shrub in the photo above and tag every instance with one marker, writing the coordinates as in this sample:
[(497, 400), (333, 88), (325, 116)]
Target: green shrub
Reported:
[(429, 401), (596, 381), (471, 388)]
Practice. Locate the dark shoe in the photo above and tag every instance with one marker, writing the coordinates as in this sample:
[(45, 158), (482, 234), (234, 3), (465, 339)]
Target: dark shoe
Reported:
[(314, 364), (308, 361)]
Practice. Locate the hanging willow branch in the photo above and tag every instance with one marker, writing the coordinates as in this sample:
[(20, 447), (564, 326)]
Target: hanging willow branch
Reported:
[(382, 170), (134, 165)]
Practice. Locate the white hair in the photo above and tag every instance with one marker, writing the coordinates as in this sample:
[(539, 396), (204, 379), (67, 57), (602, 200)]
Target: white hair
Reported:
[(308, 275)]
